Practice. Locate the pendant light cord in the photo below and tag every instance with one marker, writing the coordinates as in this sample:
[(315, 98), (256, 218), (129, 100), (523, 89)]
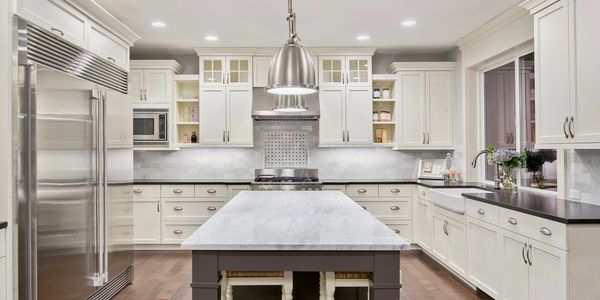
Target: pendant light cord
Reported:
[(291, 18)]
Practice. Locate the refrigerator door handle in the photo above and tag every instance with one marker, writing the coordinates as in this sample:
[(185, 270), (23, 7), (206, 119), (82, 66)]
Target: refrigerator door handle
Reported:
[(97, 278), (103, 242)]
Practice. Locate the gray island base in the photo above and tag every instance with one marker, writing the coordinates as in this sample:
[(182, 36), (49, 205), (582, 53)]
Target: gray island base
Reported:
[(322, 231)]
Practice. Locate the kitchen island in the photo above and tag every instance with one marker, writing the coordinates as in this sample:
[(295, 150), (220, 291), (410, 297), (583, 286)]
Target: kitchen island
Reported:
[(321, 231)]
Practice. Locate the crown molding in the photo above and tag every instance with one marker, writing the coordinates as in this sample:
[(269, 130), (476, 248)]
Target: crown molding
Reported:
[(170, 64), (535, 6), (501, 21), (421, 66), (269, 51)]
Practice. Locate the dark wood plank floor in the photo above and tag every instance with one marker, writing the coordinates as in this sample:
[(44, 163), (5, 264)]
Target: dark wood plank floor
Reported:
[(167, 275)]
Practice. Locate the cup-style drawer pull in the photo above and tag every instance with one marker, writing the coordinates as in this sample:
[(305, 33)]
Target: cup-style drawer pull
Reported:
[(395, 208), (211, 191), (211, 208), (397, 231), (112, 60), (545, 231), (177, 208), (137, 191), (512, 221), (177, 231), (177, 191), (481, 211), (362, 191), (395, 191), (57, 31)]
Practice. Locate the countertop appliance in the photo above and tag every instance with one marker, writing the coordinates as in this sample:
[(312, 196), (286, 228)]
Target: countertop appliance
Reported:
[(74, 170), (150, 127), (286, 180)]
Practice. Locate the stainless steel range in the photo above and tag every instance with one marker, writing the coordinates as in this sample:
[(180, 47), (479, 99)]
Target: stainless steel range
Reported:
[(286, 180)]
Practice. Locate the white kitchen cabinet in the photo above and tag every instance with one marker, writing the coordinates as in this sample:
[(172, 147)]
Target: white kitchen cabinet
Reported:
[(449, 242), (346, 116), (239, 120), (151, 81), (484, 253), (108, 46), (425, 111), (566, 48), (547, 272), (358, 70), (119, 107), (260, 70), (226, 71), (146, 221), (212, 71), (345, 70), (58, 17), (332, 127), (515, 267), (424, 230), (440, 240), (359, 115)]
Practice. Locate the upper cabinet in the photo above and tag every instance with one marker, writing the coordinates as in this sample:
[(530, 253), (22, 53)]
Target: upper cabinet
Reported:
[(345, 70), (566, 48), (151, 81), (98, 32), (425, 105), (226, 71)]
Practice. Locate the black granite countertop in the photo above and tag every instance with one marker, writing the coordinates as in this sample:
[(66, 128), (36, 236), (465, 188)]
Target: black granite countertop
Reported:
[(192, 181), (3, 225)]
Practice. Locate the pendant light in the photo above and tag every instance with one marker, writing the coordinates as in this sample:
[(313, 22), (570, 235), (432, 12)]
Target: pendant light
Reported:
[(289, 103), (292, 71)]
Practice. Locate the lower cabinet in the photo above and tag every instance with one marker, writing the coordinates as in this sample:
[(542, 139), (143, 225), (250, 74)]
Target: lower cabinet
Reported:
[(424, 221), (547, 272), (146, 221), (484, 256), (514, 262), (449, 241)]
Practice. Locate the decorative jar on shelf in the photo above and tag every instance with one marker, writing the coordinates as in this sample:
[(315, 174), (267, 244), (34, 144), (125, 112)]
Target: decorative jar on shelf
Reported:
[(185, 139), (376, 94), (194, 137), (386, 94), (385, 116), (375, 116)]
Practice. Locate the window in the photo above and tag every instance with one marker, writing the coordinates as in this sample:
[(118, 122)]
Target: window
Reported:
[(509, 120)]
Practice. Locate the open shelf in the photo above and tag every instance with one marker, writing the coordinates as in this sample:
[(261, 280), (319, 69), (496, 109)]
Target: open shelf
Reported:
[(187, 123), (187, 100), (384, 100), (384, 123)]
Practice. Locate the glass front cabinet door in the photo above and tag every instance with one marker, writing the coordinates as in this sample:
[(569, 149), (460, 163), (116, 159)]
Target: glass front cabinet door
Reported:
[(212, 70), (345, 70), (358, 70), (239, 71), (331, 70)]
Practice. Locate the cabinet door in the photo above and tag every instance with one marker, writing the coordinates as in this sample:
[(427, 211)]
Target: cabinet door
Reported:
[(457, 247), (239, 71), (439, 109), (331, 71), (359, 115), (260, 69), (239, 119), (119, 120), (146, 221), (440, 239), (136, 85), (548, 272), (586, 106), (331, 122), (424, 224), (212, 70), (412, 109), (484, 251), (212, 115), (108, 46), (552, 105), (515, 268), (358, 70), (157, 86), (57, 17)]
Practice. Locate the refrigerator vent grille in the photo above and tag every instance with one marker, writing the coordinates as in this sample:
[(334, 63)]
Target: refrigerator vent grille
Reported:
[(108, 291), (48, 49)]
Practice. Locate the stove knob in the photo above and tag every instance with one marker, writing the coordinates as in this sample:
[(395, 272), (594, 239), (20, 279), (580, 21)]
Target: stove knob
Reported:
[(261, 189), (269, 189)]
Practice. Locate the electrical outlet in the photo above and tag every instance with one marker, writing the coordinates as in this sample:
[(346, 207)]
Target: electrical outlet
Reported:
[(574, 194)]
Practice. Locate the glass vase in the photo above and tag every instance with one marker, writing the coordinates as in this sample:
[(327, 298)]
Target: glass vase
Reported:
[(507, 181)]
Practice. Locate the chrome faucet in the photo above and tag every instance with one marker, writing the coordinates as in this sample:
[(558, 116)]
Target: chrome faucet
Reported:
[(496, 176)]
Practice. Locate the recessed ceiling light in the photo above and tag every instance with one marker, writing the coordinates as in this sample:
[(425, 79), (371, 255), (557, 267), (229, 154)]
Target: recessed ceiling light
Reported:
[(363, 37), (159, 24), (211, 38), (409, 23)]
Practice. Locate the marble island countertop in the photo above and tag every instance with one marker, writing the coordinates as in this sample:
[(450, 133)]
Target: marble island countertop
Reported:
[(294, 221)]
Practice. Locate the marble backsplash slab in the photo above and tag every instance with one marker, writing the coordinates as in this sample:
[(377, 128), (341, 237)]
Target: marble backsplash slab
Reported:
[(583, 174)]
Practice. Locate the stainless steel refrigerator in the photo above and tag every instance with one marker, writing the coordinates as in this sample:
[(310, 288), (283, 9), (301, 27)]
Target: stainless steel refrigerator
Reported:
[(74, 170)]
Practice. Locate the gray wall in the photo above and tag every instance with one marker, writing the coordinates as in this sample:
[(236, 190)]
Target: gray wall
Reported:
[(583, 174), (220, 163)]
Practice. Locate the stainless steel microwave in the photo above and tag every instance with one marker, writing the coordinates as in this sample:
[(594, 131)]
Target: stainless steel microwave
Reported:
[(150, 127)]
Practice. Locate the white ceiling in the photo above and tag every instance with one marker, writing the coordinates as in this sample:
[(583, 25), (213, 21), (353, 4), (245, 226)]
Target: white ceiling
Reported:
[(321, 23)]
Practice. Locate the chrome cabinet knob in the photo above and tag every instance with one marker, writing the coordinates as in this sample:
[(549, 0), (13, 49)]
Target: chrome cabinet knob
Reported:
[(177, 231), (481, 211), (211, 208), (137, 191), (395, 191), (177, 208), (512, 221), (395, 207), (545, 231), (177, 191), (211, 191), (362, 191)]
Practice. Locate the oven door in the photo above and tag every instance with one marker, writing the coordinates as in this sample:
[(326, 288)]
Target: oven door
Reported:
[(150, 127)]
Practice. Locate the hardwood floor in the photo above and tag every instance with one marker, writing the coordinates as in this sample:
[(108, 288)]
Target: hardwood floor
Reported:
[(167, 275)]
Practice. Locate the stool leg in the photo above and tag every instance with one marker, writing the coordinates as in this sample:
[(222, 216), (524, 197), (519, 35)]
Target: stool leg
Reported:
[(330, 285), (321, 286), (223, 285), (229, 292), (288, 285)]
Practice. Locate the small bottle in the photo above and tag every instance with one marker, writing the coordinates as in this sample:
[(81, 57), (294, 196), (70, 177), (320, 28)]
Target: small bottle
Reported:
[(194, 137), (184, 139), (194, 114)]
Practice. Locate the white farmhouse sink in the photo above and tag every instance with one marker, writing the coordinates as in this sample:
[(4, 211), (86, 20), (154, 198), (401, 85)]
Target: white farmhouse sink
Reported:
[(452, 198)]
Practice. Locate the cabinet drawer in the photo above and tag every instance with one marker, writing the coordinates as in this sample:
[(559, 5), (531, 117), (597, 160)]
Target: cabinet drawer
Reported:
[(176, 233), (58, 17), (146, 191), (483, 211), (190, 209), (120, 191), (543, 230), (388, 210), (121, 234), (362, 190), (403, 229), (211, 191), (177, 191), (121, 209), (334, 187), (395, 190), (108, 46)]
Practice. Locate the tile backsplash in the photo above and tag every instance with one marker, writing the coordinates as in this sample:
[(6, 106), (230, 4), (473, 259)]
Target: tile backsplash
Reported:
[(583, 174), (239, 163)]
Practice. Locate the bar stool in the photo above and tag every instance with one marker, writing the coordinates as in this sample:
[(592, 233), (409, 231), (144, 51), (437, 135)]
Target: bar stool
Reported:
[(331, 280), (229, 279)]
